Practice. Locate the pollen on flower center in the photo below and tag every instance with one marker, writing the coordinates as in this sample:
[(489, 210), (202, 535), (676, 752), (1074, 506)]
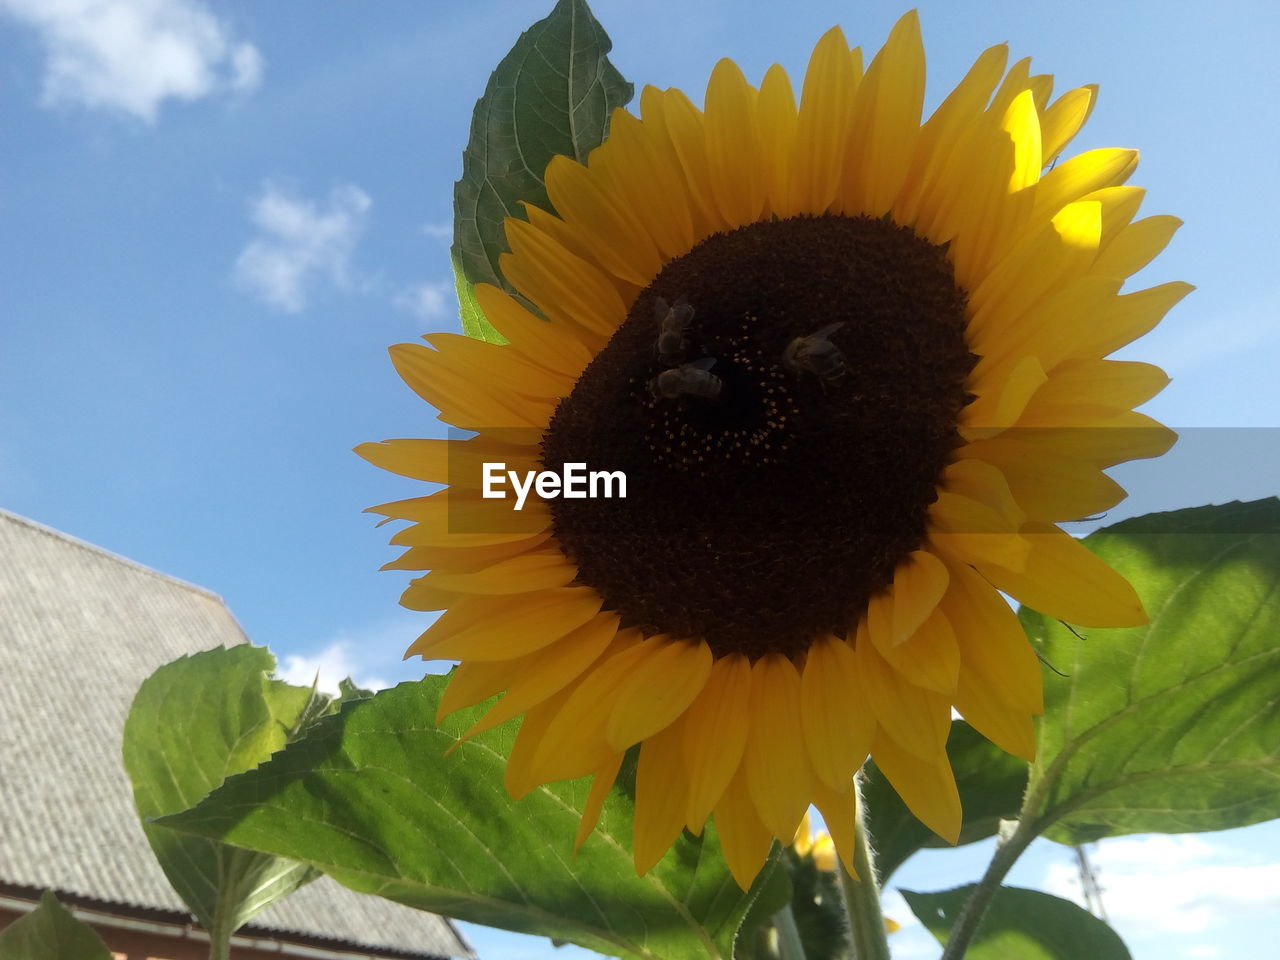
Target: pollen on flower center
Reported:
[(783, 445)]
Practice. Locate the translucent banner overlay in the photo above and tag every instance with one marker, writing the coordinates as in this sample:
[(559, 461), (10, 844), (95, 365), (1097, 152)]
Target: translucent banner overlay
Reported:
[(1207, 465)]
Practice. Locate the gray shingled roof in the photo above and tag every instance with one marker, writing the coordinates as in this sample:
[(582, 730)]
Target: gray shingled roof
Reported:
[(80, 629)]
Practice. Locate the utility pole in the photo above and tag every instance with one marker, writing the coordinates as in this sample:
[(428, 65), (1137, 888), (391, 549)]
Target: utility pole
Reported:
[(1089, 885)]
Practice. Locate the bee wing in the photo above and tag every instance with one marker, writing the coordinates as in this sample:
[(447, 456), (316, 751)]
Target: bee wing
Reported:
[(827, 331), (706, 363), (660, 309)]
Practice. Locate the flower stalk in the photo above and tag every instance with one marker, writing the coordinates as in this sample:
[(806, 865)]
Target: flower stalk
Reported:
[(790, 946), (862, 894), (1009, 849)]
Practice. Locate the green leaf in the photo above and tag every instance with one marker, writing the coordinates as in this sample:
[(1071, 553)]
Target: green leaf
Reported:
[(370, 798), (50, 932), (1025, 924), (552, 94), (193, 723), (1170, 727), (991, 784), (474, 322)]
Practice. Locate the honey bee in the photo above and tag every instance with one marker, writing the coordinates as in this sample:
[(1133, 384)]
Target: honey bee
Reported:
[(688, 379), (816, 354), (673, 322)]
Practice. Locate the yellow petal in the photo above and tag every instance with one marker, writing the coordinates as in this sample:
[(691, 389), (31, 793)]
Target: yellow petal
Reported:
[(659, 689), (929, 657), (826, 108), (1057, 327), (601, 784), (661, 796), (743, 836), (916, 718), (537, 676), (838, 724), (1118, 384), (716, 727), (520, 777), (1132, 315), (928, 787), (563, 285), (646, 180), (919, 582), (420, 459), (1063, 120), (1072, 179), (734, 154), (550, 344), (471, 683), (775, 764), (886, 122), (463, 558), (1063, 579), (839, 810), (460, 400), (999, 403), (1010, 729), (999, 196), (574, 743), (508, 627), (1135, 246), (502, 364), (920, 199), (1056, 255), (992, 642), (619, 243), (422, 595), (975, 515), (672, 113), (535, 570), (777, 111), (1048, 484)]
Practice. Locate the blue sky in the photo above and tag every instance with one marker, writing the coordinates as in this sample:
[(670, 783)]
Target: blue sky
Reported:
[(218, 216)]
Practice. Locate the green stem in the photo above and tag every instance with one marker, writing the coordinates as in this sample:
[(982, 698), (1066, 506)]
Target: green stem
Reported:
[(862, 896), (220, 930), (790, 946), (975, 908)]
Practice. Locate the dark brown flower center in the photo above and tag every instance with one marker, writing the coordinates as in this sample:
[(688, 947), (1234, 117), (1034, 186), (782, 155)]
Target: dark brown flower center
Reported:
[(782, 437)]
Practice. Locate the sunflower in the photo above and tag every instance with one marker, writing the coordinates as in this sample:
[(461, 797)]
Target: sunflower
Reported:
[(852, 367)]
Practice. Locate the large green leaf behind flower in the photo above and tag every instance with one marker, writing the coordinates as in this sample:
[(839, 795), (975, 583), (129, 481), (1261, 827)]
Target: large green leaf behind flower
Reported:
[(370, 798), (1021, 925), (1171, 727), (193, 723), (551, 95)]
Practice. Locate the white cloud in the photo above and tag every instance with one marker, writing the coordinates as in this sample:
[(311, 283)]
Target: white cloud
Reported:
[(1208, 950), (132, 55), (332, 664), (1177, 884), (299, 242), (430, 301), (371, 654), (439, 231)]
